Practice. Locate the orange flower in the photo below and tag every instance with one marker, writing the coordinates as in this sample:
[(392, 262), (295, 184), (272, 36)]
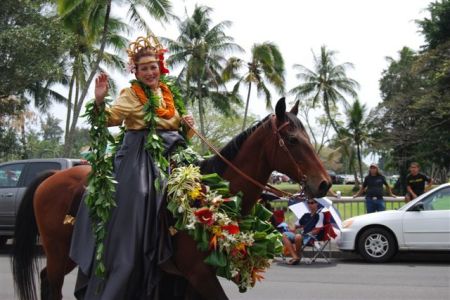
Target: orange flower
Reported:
[(213, 242), (239, 249), (169, 111), (256, 276), (140, 93)]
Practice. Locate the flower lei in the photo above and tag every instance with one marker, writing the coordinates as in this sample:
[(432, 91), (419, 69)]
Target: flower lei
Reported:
[(165, 113), (101, 183), (239, 247)]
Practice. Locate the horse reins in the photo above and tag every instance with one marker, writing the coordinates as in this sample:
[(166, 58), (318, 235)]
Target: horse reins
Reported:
[(266, 187)]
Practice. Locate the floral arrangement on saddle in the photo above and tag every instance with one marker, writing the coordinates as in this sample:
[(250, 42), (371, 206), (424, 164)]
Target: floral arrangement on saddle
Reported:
[(240, 247)]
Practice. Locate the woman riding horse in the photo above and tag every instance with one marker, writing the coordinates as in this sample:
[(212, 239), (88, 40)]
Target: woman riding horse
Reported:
[(136, 242), (138, 245)]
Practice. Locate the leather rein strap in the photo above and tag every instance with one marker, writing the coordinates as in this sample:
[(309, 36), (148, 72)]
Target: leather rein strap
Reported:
[(266, 187)]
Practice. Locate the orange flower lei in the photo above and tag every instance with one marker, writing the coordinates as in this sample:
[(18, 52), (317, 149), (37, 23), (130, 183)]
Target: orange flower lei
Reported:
[(166, 113)]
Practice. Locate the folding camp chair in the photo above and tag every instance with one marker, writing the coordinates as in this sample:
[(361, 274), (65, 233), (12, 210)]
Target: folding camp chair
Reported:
[(320, 244)]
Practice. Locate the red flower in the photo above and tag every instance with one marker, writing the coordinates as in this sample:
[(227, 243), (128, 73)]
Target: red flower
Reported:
[(205, 216), (236, 252), (232, 229)]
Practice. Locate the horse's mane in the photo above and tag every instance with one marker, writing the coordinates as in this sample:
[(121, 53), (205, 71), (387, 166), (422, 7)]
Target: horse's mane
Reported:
[(216, 165)]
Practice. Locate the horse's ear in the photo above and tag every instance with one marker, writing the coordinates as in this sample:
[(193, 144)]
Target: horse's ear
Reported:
[(294, 109), (280, 109)]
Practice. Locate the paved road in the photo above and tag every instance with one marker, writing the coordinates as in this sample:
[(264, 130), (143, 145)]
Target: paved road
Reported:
[(412, 277)]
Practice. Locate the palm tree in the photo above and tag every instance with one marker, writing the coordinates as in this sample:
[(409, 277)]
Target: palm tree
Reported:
[(265, 66), (93, 29), (357, 128), (200, 50), (326, 83), (81, 56), (42, 93)]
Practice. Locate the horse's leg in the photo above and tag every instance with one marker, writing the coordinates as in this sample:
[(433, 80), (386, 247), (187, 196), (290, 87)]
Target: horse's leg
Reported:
[(51, 204), (200, 275), (45, 286), (58, 265)]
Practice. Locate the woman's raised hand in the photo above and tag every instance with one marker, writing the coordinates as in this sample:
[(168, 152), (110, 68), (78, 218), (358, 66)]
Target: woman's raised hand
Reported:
[(101, 88)]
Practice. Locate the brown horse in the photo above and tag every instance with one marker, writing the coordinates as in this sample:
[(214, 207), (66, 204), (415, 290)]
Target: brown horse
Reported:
[(257, 152)]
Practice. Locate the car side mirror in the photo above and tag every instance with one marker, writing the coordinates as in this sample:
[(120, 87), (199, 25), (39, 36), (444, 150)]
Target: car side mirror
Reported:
[(418, 207)]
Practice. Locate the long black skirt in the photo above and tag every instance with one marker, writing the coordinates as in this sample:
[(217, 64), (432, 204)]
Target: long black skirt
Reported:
[(137, 240)]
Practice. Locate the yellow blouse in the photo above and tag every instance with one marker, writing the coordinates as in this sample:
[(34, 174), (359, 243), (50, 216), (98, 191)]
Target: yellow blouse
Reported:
[(128, 109)]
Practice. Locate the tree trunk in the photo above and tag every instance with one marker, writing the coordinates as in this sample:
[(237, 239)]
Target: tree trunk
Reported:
[(68, 145), (332, 122), (246, 105), (201, 114), (69, 113), (24, 139), (79, 106), (358, 151)]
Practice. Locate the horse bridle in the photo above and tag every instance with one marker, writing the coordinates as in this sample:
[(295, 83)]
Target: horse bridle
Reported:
[(301, 177), (267, 187)]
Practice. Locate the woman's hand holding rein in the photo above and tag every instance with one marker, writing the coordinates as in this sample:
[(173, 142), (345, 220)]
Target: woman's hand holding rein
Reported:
[(188, 120)]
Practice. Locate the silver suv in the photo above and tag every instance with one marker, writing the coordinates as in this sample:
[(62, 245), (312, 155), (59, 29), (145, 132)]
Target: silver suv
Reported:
[(15, 176)]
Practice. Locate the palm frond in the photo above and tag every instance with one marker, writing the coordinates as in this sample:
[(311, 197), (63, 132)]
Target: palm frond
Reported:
[(231, 68), (263, 90), (158, 9)]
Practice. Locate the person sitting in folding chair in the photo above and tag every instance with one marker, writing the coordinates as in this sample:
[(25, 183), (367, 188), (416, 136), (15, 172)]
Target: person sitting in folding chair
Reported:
[(309, 226), (321, 241)]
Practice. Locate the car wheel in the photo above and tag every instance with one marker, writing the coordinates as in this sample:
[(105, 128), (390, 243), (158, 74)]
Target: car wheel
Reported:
[(377, 245)]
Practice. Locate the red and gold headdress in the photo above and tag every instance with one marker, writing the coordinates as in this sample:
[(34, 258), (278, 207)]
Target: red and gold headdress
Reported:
[(146, 50)]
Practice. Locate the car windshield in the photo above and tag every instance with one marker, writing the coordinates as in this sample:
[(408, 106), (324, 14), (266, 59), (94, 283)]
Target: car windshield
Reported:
[(427, 195)]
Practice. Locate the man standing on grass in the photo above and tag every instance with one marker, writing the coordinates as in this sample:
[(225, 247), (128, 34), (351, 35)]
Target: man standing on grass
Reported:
[(415, 182)]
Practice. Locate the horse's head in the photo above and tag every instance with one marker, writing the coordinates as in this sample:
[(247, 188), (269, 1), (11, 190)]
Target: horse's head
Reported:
[(279, 142), (291, 152)]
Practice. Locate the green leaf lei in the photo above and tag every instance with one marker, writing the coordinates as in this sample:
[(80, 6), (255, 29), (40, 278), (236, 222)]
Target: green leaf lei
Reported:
[(101, 184)]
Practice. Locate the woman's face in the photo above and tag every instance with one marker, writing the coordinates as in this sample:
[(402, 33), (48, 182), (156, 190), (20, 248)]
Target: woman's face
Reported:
[(373, 171), (148, 73)]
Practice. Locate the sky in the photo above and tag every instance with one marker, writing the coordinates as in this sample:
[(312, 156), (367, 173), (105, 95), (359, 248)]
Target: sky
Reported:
[(362, 32)]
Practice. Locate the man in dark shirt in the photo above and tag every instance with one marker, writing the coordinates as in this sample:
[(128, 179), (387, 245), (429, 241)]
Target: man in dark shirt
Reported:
[(309, 223), (373, 186), (415, 182)]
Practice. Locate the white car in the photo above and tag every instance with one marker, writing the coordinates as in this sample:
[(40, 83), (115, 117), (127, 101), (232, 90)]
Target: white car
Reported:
[(422, 224)]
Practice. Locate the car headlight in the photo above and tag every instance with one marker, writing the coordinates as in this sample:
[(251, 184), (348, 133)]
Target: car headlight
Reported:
[(347, 223)]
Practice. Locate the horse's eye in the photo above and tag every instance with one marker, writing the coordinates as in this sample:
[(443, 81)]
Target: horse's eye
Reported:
[(292, 140)]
